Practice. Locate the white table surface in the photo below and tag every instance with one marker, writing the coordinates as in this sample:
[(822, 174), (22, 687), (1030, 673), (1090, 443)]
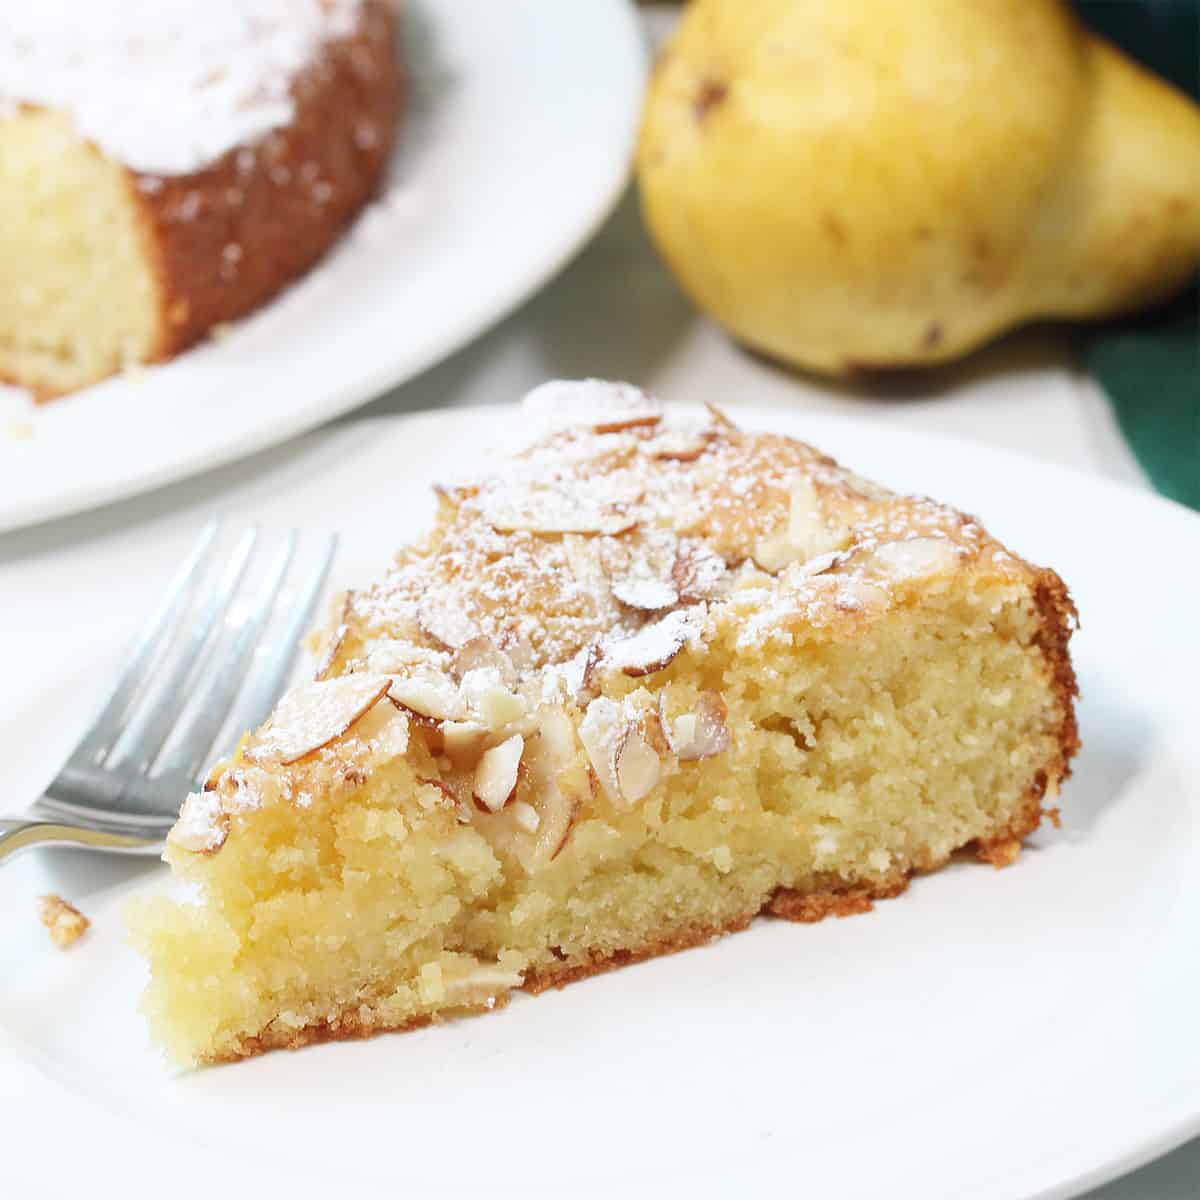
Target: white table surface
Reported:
[(616, 313)]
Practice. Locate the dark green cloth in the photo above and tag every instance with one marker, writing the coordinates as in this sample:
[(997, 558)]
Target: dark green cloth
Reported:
[(1150, 365)]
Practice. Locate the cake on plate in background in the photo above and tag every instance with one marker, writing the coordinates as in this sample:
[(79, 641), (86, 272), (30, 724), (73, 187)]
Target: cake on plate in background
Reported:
[(167, 165)]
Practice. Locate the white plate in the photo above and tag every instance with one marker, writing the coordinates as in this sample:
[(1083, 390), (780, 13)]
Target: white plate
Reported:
[(997, 1035), (515, 148)]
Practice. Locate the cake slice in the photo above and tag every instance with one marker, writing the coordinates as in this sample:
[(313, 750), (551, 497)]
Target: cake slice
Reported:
[(165, 167), (642, 682)]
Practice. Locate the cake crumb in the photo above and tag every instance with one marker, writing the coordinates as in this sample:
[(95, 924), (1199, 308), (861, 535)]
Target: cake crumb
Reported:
[(20, 431), (64, 921)]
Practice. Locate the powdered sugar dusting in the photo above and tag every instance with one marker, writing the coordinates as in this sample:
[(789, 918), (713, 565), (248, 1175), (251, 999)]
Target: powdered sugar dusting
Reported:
[(165, 86), (559, 579)]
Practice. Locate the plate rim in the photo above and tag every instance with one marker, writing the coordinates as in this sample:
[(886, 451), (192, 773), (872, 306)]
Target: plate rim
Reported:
[(1176, 1131), (629, 57)]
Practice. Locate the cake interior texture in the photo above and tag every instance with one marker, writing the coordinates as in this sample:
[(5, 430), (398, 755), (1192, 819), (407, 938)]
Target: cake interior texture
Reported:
[(870, 686), (78, 300), (127, 235)]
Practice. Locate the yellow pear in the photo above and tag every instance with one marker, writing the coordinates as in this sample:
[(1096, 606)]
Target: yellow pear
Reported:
[(851, 184)]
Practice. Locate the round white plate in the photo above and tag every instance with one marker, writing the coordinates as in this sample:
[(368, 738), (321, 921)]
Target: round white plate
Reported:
[(514, 149), (998, 1035)]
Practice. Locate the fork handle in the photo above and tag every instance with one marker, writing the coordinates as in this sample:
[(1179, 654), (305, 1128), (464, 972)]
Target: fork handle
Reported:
[(16, 836)]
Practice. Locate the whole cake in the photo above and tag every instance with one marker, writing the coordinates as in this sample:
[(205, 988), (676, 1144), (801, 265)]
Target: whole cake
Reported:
[(167, 165), (643, 681)]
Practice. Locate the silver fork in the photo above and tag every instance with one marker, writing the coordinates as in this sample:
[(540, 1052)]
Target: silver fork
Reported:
[(214, 657)]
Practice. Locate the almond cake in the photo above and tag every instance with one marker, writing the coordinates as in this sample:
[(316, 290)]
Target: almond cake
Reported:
[(644, 680), (168, 165)]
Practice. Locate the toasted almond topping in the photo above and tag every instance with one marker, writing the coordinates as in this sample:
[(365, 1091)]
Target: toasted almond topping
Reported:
[(314, 715), (859, 596), (654, 646), (559, 785), (557, 813), (916, 558), (447, 797), (805, 536), (442, 616), (66, 924), (325, 665), (701, 733), (635, 765), (719, 418), (481, 983), (536, 507), (479, 654), (698, 572), (202, 826), (526, 816), (604, 407), (462, 738), (645, 595), (429, 694), (496, 773), (681, 446), (600, 731), (397, 656), (823, 562), (490, 702)]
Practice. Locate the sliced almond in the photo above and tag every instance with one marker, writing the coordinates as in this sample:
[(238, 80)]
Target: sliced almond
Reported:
[(719, 418), (560, 782), (535, 507), (447, 797), (480, 653), (325, 665), (481, 985), (461, 739), (526, 816), (865, 487), (600, 731), (313, 716), (823, 563), (698, 573), (701, 733), (805, 535), (203, 825), (678, 446), (861, 597), (496, 773), (443, 617), (592, 403), (337, 639), (429, 694), (399, 656), (489, 701), (654, 646), (644, 594), (557, 812), (635, 765), (917, 558)]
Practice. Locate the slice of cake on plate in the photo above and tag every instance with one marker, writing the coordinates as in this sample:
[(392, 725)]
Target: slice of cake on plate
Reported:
[(642, 682), (166, 166)]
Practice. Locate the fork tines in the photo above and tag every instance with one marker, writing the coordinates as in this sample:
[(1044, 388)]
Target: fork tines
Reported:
[(211, 663)]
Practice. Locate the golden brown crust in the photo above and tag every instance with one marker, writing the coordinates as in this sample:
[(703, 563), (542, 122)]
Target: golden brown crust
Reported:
[(811, 907), (224, 240), (543, 979), (789, 904), (347, 1027), (1059, 619)]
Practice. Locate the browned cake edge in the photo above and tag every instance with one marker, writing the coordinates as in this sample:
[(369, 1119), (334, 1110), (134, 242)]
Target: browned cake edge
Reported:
[(225, 239), (1058, 620)]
